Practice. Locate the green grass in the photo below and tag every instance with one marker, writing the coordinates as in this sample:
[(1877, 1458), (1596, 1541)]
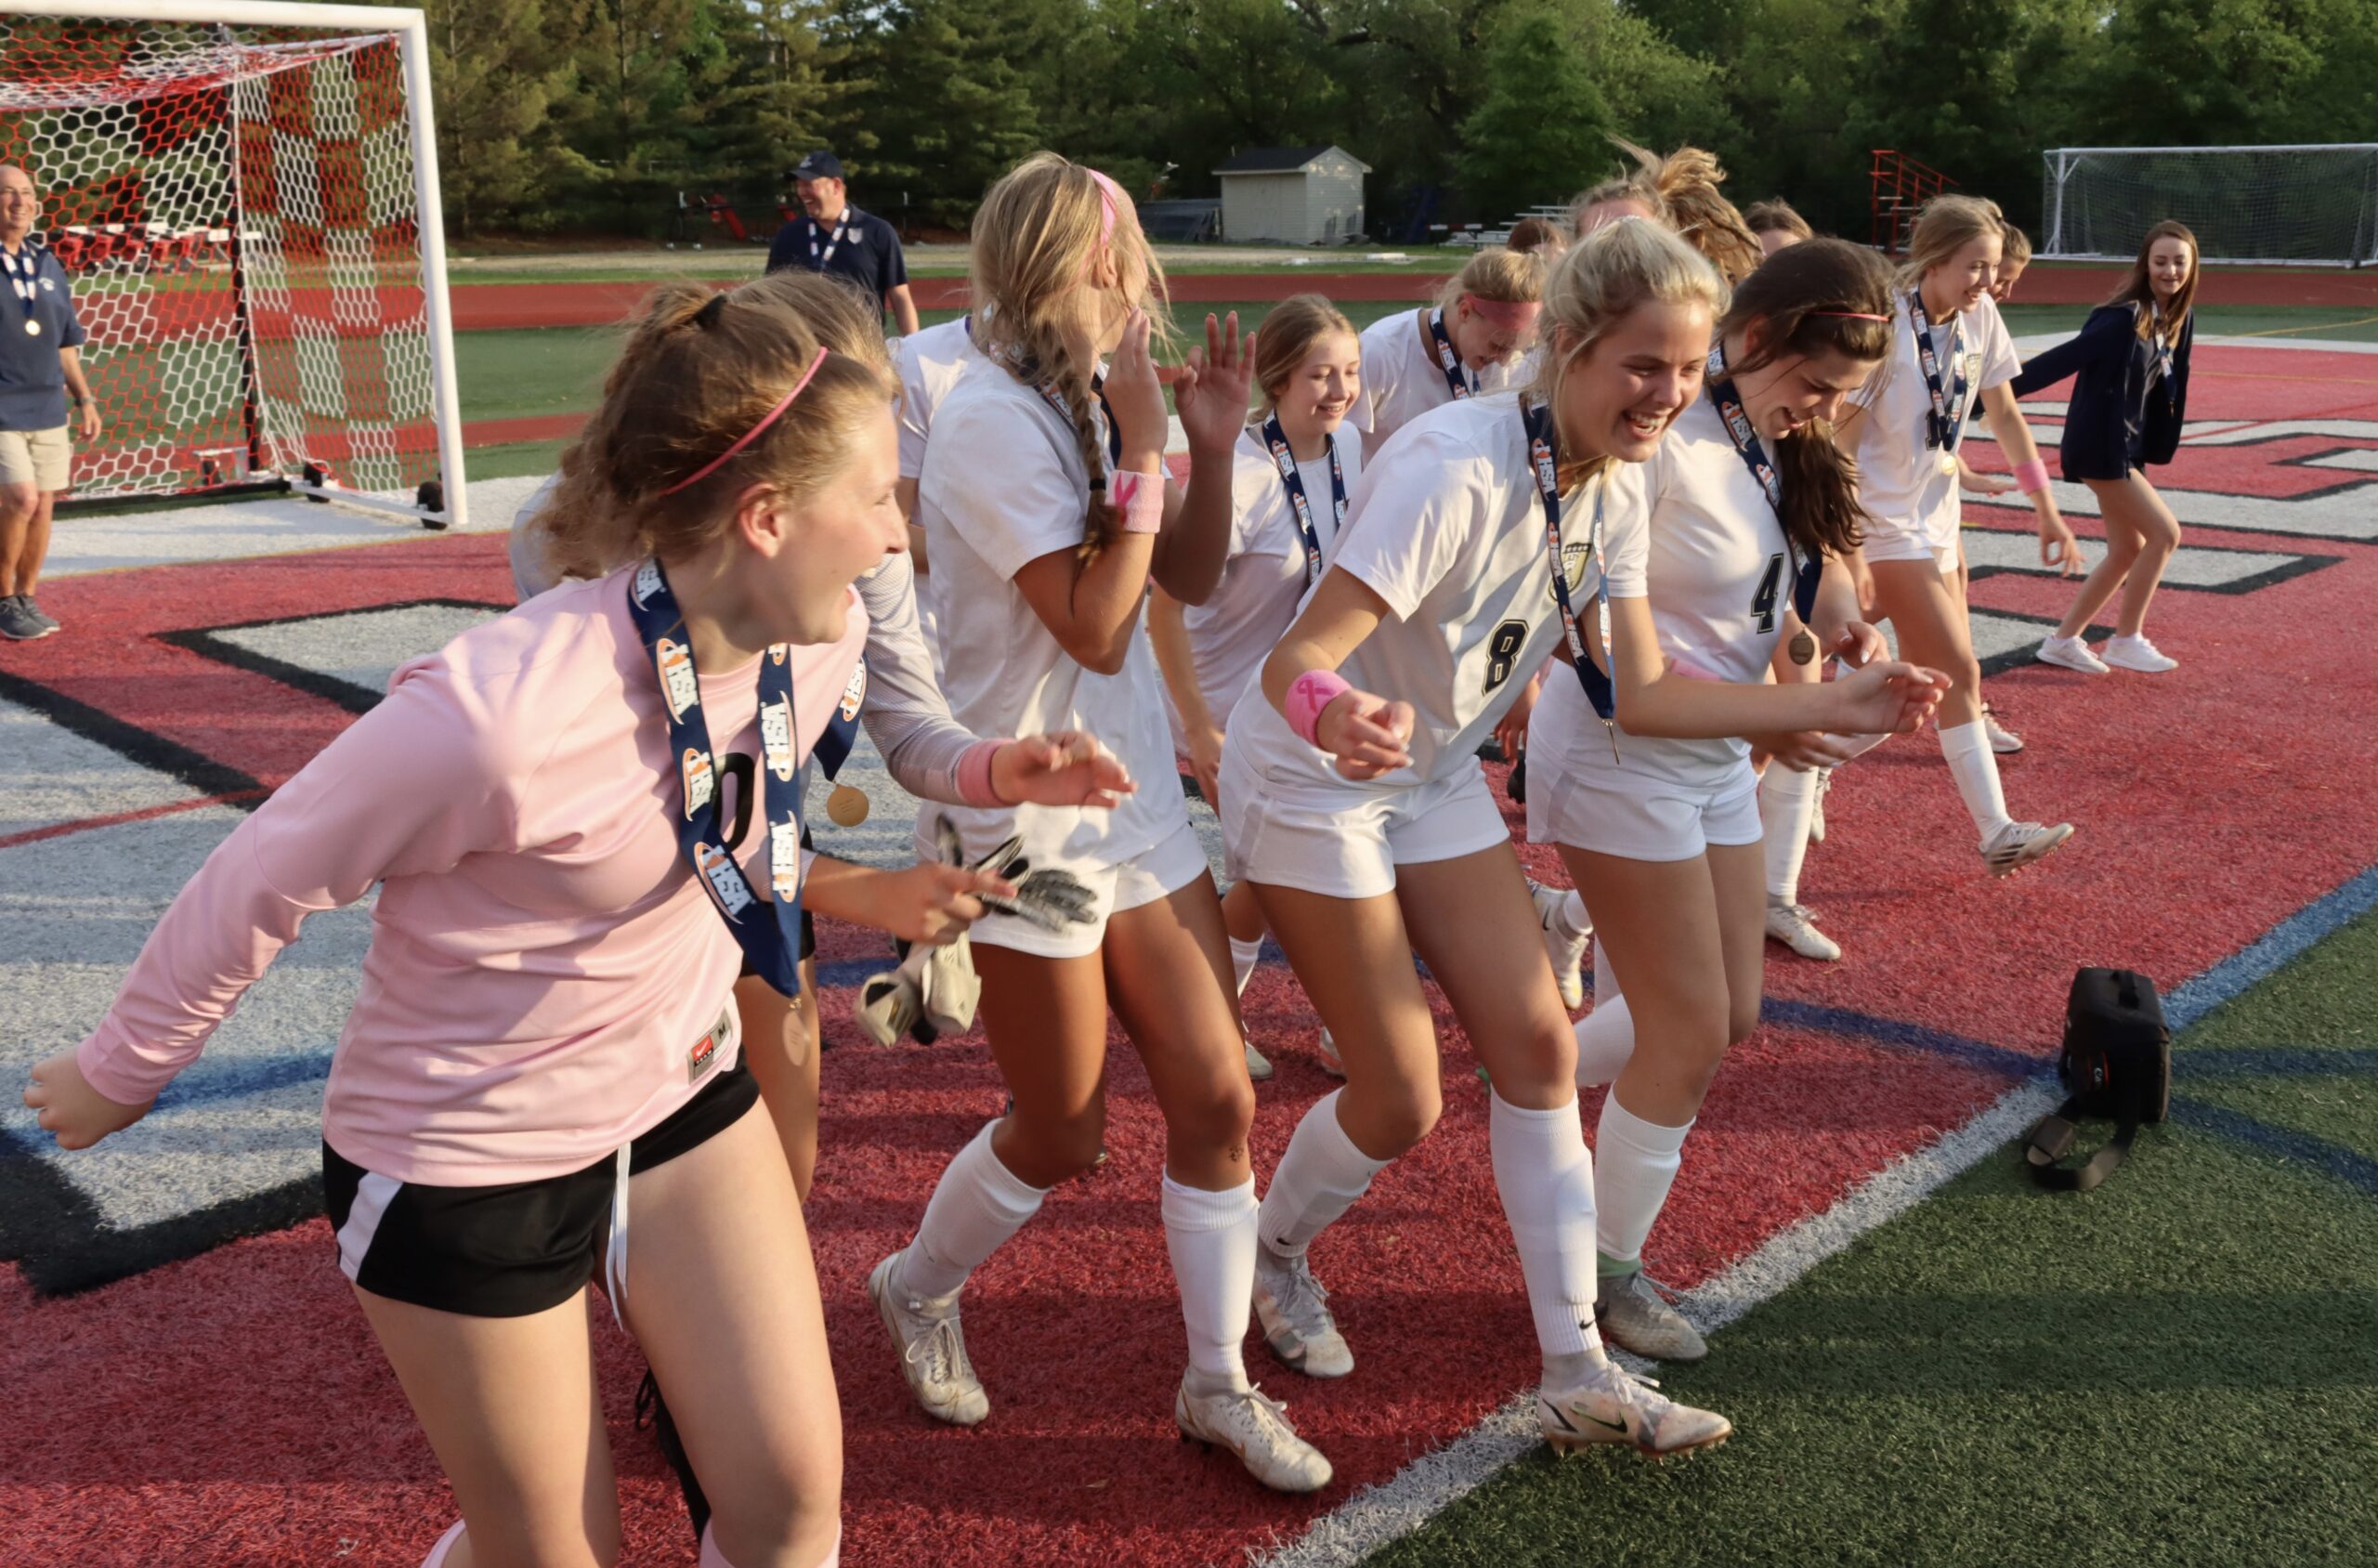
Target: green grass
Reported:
[(2179, 1367)]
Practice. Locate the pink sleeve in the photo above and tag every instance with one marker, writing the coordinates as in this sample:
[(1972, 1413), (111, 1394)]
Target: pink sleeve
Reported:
[(411, 786)]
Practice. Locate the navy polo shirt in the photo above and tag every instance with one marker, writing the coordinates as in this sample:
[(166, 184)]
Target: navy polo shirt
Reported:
[(32, 383), (868, 254)]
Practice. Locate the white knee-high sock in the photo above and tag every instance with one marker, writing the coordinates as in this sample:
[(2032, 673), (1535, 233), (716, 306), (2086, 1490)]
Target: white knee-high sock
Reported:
[(1787, 802), (977, 1206), (1211, 1239), (1635, 1164), (1545, 1180), (1966, 748), (1570, 920), (713, 1558), (1605, 1037), (1242, 960), (436, 1558), (1318, 1179)]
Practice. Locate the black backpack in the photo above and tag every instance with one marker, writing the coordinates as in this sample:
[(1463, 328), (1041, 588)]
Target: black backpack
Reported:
[(2117, 1065)]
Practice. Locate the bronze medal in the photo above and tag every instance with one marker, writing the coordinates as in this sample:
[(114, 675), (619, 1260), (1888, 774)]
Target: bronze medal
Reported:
[(1804, 646), (847, 806)]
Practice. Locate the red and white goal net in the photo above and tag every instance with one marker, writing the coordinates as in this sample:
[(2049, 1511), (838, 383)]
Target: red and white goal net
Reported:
[(245, 207)]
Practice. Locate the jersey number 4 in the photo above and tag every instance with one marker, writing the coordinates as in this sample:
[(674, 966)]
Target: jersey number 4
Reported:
[(1502, 650), (1770, 584)]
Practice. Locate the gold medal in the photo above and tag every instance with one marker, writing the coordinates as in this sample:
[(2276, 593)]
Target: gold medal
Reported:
[(847, 806), (1804, 646)]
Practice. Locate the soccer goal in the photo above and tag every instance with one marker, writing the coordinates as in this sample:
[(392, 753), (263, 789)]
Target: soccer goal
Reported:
[(244, 198), (2313, 205)]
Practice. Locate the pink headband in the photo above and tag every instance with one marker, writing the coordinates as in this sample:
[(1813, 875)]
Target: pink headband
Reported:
[(716, 463), (1851, 315), (1510, 315)]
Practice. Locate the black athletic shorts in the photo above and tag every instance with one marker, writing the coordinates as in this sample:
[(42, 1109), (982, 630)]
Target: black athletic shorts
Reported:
[(509, 1250)]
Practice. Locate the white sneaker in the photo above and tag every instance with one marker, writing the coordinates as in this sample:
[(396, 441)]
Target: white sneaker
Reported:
[(2002, 739), (1254, 1427), (1294, 1311), (1326, 1049), (2018, 843), (1613, 1405), (1259, 1066), (2070, 653), (1567, 953), (932, 1347), (1797, 929), (2139, 654), (1816, 817)]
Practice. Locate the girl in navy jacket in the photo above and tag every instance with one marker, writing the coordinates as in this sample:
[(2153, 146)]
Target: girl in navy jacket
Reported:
[(2130, 395)]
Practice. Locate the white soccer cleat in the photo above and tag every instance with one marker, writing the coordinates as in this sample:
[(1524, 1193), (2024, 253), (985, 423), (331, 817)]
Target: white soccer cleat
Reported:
[(1816, 817), (1254, 1427), (1259, 1066), (2018, 843), (1294, 1311), (2071, 653), (1633, 1313), (933, 1349), (1797, 929), (2137, 655), (2002, 739), (1613, 1405), (1325, 1050), (1567, 953)]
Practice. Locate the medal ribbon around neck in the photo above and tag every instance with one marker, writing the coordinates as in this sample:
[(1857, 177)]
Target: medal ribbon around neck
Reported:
[(1290, 475), (28, 285), (1544, 461), (1947, 421), (833, 245), (767, 930), (1458, 375), (1806, 575)]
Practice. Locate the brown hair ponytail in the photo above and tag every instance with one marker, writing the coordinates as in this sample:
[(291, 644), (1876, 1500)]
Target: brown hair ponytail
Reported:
[(1815, 297)]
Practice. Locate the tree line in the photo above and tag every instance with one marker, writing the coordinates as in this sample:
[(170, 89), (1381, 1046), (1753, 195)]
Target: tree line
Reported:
[(587, 116)]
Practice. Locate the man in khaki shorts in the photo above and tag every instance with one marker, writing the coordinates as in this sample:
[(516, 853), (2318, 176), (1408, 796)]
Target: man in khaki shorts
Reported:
[(40, 369)]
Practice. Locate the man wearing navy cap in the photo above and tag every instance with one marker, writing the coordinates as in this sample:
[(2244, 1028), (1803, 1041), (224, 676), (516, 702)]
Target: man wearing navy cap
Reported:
[(836, 237), (40, 369)]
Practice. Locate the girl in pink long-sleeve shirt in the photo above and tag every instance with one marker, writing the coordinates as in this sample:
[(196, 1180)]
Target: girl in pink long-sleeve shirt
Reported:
[(544, 1041)]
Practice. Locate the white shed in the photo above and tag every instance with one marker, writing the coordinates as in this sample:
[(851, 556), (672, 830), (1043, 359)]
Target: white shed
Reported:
[(1304, 195)]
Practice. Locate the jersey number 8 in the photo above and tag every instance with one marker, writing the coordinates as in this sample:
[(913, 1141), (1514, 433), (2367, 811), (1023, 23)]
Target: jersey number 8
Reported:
[(1502, 649)]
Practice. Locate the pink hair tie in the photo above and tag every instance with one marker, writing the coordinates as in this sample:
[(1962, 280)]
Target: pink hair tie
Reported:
[(716, 463), (1509, 314), (1308, 694), (2031, 477), (1110, 196)]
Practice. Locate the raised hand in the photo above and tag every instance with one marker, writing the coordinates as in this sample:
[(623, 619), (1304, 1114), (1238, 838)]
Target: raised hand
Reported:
[(1065, 769), (1135, 399), (1367, 734), (1213, 389), (70, 1109)]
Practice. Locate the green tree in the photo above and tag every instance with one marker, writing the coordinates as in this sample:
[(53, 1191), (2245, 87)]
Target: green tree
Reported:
[(1540, 119)]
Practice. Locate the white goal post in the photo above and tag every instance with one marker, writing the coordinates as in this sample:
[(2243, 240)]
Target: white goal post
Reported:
[(2312, 204), (244, 196)]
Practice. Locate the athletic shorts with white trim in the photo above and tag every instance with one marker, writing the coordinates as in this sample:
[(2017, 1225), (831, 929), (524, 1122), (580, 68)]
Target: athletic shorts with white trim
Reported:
[(1638, 817), (510, 1250), (1347, 842)]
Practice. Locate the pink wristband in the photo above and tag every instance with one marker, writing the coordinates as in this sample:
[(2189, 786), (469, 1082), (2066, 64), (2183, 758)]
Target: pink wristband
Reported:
[(1140, 498), (1308, 694), (2031, 477), (974, 774)]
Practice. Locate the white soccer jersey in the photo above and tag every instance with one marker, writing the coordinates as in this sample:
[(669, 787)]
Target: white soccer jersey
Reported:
[(1900, 478), (1263, 581), (1403, 378), (1003, 486), (1447, 528), (928, 362), (1720, 584)]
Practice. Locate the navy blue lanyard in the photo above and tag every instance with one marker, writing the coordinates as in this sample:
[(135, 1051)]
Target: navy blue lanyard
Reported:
[(1807, 574), (1277, 440), (773, 947), (1544, 460), (28, 287), (1947, 419), (833, 245), (1456, 376)]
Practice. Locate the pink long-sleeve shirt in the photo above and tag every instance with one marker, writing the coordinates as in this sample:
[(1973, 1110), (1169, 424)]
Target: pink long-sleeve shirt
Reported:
[(542, 962)]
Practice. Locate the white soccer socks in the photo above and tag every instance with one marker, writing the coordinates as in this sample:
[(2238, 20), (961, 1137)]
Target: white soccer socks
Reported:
[(1605, 1036), (438, 1554), (1242, 961), (975, 1206), (1972, 764), (1545, 1180), (1787, 804), (1211, 1239), (1317, 1180), (713, 1558), (1635, 1164)]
